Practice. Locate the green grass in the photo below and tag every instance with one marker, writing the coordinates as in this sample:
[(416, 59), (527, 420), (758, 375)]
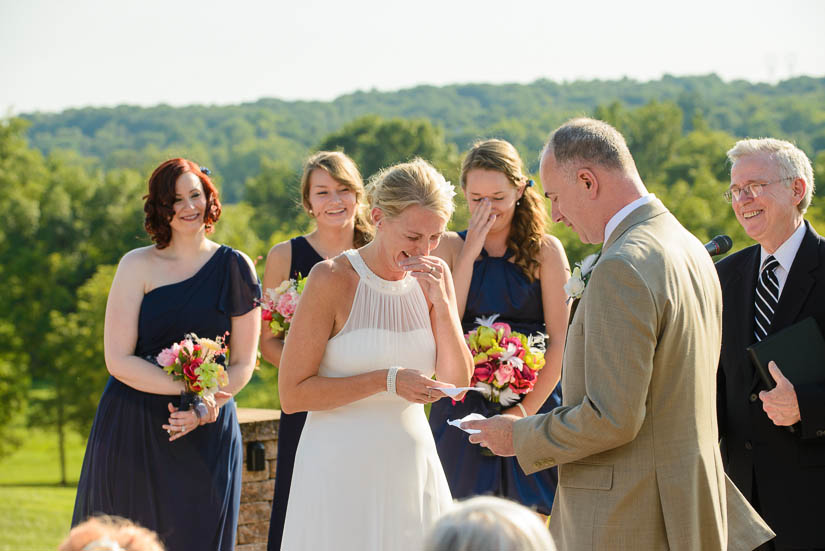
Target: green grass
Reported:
[(35, 510), (262, 389)]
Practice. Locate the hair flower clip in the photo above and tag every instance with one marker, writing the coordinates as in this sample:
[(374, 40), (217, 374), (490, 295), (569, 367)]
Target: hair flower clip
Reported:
[(447, 188), (206, 170)]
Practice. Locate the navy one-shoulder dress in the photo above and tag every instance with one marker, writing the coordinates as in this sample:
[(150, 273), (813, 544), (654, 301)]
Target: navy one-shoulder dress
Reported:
[(497, 287), (188, 491), (304, 257)]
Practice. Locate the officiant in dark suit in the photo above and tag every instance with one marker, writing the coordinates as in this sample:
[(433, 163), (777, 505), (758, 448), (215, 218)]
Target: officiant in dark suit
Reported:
[(773, 441)]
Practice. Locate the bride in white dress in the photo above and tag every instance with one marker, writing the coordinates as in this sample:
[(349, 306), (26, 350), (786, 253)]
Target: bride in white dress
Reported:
[(372, 328)]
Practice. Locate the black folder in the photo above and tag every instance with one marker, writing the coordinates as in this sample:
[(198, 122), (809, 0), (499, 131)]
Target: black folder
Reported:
[(798, 350)]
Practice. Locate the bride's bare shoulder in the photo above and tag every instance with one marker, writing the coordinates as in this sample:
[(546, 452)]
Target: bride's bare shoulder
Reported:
[(333, 276)]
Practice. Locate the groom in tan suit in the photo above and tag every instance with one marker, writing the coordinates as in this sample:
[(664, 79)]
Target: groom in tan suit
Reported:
[(636, 438)]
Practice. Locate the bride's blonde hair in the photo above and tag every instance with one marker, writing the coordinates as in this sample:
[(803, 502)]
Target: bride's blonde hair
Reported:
[(417, 182)]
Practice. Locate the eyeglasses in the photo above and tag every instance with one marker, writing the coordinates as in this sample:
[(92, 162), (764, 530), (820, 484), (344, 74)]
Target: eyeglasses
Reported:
[(753, 189)]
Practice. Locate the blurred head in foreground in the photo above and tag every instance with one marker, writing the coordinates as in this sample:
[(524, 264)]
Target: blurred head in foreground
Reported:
[(106, 533), (489, 523)]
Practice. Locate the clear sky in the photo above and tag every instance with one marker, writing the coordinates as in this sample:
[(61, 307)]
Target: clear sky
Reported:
[(56, 54)]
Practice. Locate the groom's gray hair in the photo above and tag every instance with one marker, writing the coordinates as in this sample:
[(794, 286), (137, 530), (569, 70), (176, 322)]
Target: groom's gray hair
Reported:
[(589, 140)]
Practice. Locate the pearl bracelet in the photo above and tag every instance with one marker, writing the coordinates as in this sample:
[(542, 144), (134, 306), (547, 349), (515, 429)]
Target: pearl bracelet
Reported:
[(521, 407), (392, 374)]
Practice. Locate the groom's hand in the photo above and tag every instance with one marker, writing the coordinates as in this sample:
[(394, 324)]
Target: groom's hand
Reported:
[(496, 434)]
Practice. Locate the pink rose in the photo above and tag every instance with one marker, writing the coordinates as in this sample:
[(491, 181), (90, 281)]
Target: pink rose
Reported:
[(186, 346), (511, 340), (168, 356), (287, 304), (502, 325), (504, 374)]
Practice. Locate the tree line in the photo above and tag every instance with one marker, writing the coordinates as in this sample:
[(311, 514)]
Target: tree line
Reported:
[(72, 185)]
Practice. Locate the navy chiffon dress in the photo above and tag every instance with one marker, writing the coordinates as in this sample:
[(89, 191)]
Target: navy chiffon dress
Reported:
[(304, 257), (498, 286), (188, 491)]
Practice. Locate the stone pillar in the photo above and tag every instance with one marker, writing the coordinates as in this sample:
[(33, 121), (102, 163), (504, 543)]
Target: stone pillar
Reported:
[(257, 425)]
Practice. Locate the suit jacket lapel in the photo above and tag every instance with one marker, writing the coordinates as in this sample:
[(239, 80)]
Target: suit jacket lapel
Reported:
[(799, 282), (743, 302)]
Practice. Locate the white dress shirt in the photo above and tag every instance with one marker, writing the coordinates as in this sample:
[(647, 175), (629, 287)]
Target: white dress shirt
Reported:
[(624, 212), (785, 255)]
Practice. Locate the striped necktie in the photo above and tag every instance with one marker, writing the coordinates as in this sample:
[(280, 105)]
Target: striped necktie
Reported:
[(766, 298)]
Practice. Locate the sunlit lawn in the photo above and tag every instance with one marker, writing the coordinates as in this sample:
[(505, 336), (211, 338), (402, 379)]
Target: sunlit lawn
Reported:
[(35, 511)]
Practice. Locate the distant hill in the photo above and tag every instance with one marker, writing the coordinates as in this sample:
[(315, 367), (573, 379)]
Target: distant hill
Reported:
[(235, 139)]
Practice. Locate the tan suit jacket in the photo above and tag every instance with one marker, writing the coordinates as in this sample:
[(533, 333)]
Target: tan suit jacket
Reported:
[(636, 438)]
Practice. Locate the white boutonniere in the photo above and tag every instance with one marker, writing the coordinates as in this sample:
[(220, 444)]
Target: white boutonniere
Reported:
[(581, 274)]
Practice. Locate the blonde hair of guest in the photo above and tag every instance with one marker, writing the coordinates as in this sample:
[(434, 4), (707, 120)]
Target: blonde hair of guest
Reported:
[(343, 170)]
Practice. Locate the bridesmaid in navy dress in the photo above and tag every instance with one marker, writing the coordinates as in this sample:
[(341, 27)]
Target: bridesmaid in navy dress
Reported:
[(175, 472), (332, 192), (504, 264)]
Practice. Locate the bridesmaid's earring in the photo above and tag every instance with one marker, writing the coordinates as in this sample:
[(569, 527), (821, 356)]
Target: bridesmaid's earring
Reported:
[(518, 202)]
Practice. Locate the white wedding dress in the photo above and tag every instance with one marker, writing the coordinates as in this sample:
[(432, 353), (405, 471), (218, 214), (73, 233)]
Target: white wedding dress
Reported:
[(367, 475)]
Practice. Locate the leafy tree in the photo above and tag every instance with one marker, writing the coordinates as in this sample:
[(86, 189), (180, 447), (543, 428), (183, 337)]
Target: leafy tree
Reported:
[(275, 195), (78, 370), (375, 143)]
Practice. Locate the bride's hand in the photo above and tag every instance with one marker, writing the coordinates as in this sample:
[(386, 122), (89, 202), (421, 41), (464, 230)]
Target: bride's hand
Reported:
[(411, 385), (429, 271)]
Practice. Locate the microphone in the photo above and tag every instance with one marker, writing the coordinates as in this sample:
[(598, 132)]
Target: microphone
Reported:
[(719, 245)]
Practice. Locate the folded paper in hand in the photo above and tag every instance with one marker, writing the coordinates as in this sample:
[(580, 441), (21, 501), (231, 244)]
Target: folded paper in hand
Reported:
[(453, 392), (470, 417)]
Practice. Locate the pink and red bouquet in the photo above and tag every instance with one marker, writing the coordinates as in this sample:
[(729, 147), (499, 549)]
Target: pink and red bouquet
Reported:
[(506, 361), (195, 361), (279, 305)]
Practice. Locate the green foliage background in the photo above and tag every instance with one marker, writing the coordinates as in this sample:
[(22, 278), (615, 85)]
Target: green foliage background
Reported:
[(71, 185)]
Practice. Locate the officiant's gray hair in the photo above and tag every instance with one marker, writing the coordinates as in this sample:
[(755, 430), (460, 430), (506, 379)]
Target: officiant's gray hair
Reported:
[(791, 162), (403, 185), (589, 140), (487, 523)]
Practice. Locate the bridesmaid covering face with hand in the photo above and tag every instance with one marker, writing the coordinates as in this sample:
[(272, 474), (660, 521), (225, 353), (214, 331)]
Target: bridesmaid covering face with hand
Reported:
[(504, 264)]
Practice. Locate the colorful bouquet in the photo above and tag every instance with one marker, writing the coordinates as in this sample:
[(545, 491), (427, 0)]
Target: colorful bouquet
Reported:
[(506, 362), (194, 360), (278, 305)]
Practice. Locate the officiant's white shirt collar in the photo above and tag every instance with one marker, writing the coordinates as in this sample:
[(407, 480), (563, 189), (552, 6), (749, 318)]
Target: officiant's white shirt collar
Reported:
[(624, 212), (785, 255)]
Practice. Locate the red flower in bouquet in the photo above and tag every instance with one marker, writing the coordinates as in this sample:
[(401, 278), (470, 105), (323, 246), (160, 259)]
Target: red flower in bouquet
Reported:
[(506, 361), (195, 361)]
